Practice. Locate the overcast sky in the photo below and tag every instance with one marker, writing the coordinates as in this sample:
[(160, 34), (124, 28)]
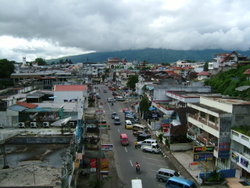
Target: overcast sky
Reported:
[(54, 28)]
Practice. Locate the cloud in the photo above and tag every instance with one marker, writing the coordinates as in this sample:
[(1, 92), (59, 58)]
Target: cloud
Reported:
[(52, 28)]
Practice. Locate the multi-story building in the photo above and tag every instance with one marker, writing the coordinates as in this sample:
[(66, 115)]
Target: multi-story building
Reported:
[(211, 124), (240, 152)]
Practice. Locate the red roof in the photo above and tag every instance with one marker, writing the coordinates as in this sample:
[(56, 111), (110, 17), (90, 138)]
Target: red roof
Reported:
[(204, 73), (27, 105), (247, 71), (70, 88)]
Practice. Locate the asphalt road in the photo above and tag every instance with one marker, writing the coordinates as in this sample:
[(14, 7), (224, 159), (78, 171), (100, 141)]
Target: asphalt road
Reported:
[(126, 156)]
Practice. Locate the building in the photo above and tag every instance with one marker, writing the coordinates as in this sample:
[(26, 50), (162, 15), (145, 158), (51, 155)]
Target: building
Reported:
[(211, 124), (72, 93), (240, 152)]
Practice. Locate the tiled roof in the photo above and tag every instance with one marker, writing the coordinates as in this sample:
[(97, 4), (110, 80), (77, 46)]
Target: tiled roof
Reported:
[(27, 105), (247, 71), (204, 73), (70, 88)]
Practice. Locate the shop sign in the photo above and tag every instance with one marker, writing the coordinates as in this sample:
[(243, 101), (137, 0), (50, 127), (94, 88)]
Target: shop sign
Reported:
[(235, 157), (244, 162), (203, 149), (203, 156)]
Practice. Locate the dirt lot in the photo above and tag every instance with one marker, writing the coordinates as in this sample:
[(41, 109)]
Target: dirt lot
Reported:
[(32, 165), (30, 173)]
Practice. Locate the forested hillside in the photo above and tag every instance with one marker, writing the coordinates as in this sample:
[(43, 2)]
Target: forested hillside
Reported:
[(227, 82), (150, 55)]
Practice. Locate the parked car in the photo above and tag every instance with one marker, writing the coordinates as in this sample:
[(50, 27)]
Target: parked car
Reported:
[(128, 124), (113, 115), (147, 142), (117, 122), (163, 174), (120, 98), (110, 99), (116, 117), (137, 127), (177, 182), (153, 148), (143, 136)]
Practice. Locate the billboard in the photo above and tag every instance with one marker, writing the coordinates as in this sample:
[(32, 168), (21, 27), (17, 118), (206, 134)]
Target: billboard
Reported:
[(202, 149), (203, 156), (203, 153)]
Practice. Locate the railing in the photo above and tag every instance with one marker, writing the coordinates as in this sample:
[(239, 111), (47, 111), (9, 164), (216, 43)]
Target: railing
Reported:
[(198, 118)]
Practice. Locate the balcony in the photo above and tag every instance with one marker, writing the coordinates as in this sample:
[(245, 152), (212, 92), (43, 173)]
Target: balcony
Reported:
[(240, 138), (204, 121), (241, 160)]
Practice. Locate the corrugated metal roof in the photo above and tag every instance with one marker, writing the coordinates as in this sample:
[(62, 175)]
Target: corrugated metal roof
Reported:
[(17, 108), (27, 105)]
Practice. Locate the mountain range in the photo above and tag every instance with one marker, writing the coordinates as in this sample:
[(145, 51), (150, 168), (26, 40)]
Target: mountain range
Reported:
[(149, 55)]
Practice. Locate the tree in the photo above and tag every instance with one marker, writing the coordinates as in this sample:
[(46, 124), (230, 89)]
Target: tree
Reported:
[(144, 104), (6, 68), (40, 61), (205, 68), (132, 80), (114, 76)]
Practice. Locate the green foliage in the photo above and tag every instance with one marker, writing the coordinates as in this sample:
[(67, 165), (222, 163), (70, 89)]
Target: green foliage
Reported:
[(144, 104), (215, 177), (114, 76), (132, 80), (40, 61), (152, 55), (226, 82), (6, 68), (205, 68), (242, 129)]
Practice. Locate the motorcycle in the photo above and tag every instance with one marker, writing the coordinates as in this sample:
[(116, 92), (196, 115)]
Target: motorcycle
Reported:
[(138, 169)]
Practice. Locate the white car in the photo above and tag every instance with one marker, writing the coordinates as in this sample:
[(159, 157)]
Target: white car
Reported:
[(147, 142), (154, 148)]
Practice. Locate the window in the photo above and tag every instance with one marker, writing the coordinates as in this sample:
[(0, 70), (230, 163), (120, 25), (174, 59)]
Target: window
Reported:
[(246, 150), (212, 119), (203, 115)]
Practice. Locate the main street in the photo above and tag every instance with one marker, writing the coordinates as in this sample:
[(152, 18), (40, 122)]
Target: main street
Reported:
[(126, 156)]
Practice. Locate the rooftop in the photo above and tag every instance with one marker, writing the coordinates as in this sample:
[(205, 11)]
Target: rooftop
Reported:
[(230, 100), (70, 88)]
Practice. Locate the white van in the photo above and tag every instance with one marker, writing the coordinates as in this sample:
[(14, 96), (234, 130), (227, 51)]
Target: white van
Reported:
[(136, 183), (137, 127), (163, 174)]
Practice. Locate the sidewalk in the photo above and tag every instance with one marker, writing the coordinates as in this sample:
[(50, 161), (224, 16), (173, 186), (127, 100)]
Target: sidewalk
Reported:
[(183, 161)]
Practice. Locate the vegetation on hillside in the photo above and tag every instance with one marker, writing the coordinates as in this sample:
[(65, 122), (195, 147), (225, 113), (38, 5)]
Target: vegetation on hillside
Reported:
[(150, 55), (227, 82), (132, 80), (6, 68)]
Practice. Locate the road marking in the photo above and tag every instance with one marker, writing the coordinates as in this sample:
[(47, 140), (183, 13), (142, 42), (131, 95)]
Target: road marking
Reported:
[(118, 130), (131, 163), (126, 149)]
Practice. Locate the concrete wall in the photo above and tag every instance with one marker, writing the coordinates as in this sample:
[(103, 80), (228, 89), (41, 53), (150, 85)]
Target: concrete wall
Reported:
[(181, 147), (241, 115), (40, 140), (60, 96)]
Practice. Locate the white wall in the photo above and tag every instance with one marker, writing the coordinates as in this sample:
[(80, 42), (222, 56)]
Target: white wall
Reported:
[(160, 95), (60, 96)]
